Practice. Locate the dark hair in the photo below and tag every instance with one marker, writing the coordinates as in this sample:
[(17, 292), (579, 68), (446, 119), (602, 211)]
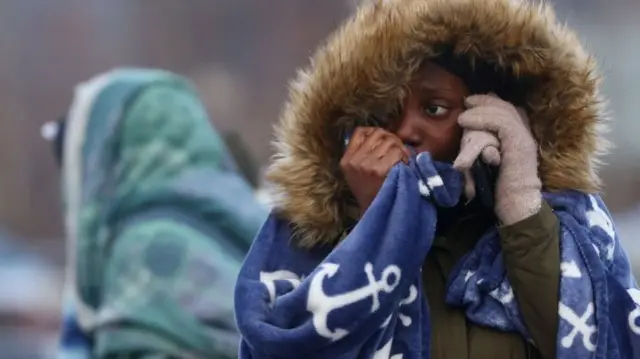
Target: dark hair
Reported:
[(482, 77)]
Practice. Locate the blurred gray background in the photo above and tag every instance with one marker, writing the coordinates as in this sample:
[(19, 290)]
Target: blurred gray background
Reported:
[(240, 54)]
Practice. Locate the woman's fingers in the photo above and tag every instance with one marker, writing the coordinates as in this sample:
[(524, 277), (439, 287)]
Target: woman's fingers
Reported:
[(469, 186), (490, 113), (393, 156), (473, 144), (491, 156), (484, 118), (372, 140), (358, 137)]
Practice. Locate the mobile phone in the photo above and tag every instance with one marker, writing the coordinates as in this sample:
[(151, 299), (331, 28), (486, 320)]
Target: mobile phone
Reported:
[(485, 177)]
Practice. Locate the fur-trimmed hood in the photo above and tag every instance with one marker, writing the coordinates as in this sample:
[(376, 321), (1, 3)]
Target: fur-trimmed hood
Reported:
[(360, 76)]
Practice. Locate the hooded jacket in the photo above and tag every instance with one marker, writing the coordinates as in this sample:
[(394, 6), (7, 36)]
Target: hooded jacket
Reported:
[(158, 222), (361, 74)]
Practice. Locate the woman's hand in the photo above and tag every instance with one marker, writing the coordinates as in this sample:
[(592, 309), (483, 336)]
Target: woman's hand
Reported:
[(476, 144), (518, 188), (369, 156)]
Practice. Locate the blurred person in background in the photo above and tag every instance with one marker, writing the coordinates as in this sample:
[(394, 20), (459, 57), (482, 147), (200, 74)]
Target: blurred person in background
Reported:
[(158, 221), (369, 253)]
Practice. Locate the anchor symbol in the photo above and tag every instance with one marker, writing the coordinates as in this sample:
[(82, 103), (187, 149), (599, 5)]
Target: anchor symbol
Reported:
[(320, 304), (269, 280), (580, 326), (404, 319)]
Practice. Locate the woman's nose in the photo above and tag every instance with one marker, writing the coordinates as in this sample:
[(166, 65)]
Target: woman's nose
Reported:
[(407, 132)]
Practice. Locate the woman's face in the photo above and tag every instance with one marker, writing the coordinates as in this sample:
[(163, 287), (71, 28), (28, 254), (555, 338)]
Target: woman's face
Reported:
[(429, 120)]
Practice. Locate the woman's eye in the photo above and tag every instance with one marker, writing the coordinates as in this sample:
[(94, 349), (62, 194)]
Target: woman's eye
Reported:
[(435, 111)]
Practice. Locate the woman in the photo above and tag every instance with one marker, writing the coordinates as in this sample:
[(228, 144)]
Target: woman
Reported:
[(158, 221), (353, 263)]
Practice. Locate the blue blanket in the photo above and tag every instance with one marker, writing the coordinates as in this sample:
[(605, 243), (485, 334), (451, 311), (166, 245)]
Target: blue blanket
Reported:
[(364, 298)]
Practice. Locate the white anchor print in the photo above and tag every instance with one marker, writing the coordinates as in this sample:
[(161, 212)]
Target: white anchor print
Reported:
[(504, 294), (611, 250), (432, 182), (413, 295), (580, 326), (597, 217), (387, 321), (404, 319), (596, 249), (320, 304), (570, 270), (385, 352), (468, 275), (269, 280), (635, 314)]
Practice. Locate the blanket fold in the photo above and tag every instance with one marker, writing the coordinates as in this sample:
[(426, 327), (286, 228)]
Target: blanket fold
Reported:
[(363, 299)]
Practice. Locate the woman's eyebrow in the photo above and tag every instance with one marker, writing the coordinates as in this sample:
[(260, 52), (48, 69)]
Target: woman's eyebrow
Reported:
[(427, 87), (448, 92)]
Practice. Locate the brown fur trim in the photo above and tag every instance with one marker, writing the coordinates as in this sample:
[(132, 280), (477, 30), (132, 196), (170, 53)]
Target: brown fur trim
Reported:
[(360, 75)]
